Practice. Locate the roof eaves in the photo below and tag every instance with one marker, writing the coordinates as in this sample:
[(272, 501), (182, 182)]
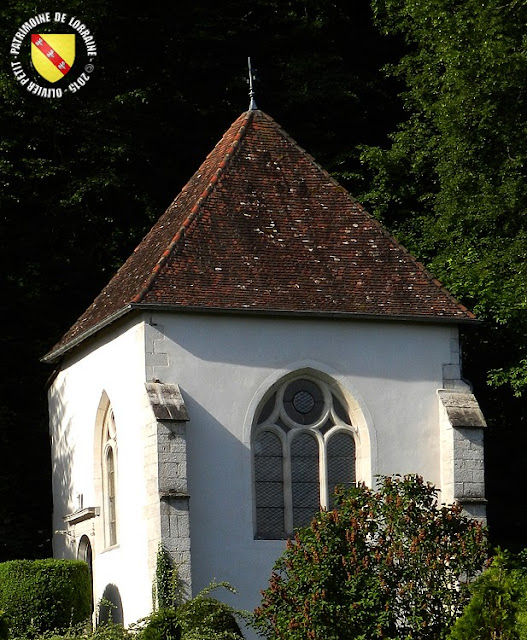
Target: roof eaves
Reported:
[(430, 277), (195, 211), (55, 354), (343, 315), (421, 267)]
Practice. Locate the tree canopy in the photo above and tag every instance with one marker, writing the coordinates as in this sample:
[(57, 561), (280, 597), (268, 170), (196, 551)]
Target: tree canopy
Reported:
[(452, 186), (452, 183)]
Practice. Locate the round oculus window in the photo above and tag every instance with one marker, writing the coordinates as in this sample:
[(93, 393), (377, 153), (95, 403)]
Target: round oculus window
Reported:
[(303, 401)]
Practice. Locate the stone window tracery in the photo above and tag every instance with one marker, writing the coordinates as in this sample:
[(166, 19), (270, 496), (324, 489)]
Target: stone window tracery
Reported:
[(303, 448)]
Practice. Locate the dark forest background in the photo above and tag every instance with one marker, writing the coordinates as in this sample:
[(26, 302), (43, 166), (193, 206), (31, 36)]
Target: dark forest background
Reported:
[(417, 108)]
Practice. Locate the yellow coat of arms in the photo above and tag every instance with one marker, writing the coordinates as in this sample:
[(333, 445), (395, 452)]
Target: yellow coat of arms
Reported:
[(52, 54)]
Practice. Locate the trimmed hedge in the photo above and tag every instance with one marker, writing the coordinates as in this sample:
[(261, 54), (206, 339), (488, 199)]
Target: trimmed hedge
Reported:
[(44, 595)]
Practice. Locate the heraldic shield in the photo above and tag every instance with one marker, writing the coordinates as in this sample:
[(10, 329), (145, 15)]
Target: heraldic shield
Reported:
[(52, 54)]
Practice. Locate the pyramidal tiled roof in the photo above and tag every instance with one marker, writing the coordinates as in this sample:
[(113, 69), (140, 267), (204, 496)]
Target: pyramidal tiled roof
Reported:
[(261, 227)]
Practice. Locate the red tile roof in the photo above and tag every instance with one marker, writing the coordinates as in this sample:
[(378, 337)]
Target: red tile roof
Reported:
[(261, 227)]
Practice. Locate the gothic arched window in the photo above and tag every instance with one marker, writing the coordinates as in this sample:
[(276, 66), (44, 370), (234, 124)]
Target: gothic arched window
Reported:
[(303, 448), (109, 464)]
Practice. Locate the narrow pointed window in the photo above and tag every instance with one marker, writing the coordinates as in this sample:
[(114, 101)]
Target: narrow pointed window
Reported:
[(303, 448), (109, 459), (112, 518)]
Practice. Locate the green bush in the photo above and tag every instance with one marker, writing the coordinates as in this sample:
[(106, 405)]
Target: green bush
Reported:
[(43, 595), (498, 607), (111, 631), (4, 626), (162, 625), (204, 617), (105, 631), (384, 564), (201, 618)]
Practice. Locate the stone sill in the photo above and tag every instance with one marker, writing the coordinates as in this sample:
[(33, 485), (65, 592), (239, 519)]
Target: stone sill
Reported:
[(81, 515), (173, 494), (471, 500)]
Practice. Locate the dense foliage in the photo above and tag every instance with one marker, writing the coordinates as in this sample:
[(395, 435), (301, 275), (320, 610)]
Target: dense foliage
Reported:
[(42, 595), (453, 180), (452, 186), (383, 564), (4, 626), (205, 618), (498, 607), (200, 618), (162, 625)]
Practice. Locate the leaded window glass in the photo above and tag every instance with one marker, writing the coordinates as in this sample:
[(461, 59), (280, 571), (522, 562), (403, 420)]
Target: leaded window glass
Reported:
[(269, 484), (112, 517), (340, 462), (305, 483), (303, 448)]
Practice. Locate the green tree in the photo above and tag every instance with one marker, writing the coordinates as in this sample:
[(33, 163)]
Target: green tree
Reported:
[(496, 601), (383, 564), (452, 186), (453, 181)]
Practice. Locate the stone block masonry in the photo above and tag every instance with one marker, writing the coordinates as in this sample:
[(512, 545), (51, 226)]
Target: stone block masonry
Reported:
[(172, 490), (462, 441)]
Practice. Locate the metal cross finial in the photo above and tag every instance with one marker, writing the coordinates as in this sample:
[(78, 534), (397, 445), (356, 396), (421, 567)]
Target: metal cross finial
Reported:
[(252, 104)]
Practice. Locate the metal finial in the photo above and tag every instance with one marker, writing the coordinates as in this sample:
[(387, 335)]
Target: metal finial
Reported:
[(252, 103)]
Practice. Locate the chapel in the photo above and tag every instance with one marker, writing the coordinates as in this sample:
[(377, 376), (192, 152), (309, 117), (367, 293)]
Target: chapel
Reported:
[(266, 341)]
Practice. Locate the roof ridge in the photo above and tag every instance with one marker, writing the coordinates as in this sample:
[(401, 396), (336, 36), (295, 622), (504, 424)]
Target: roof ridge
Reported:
[(195, 211), (387, 234), (419, 265), (430, 276)]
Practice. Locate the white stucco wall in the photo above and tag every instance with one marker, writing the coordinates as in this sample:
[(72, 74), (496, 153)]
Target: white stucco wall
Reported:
[(224, 364), (117, 369)]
